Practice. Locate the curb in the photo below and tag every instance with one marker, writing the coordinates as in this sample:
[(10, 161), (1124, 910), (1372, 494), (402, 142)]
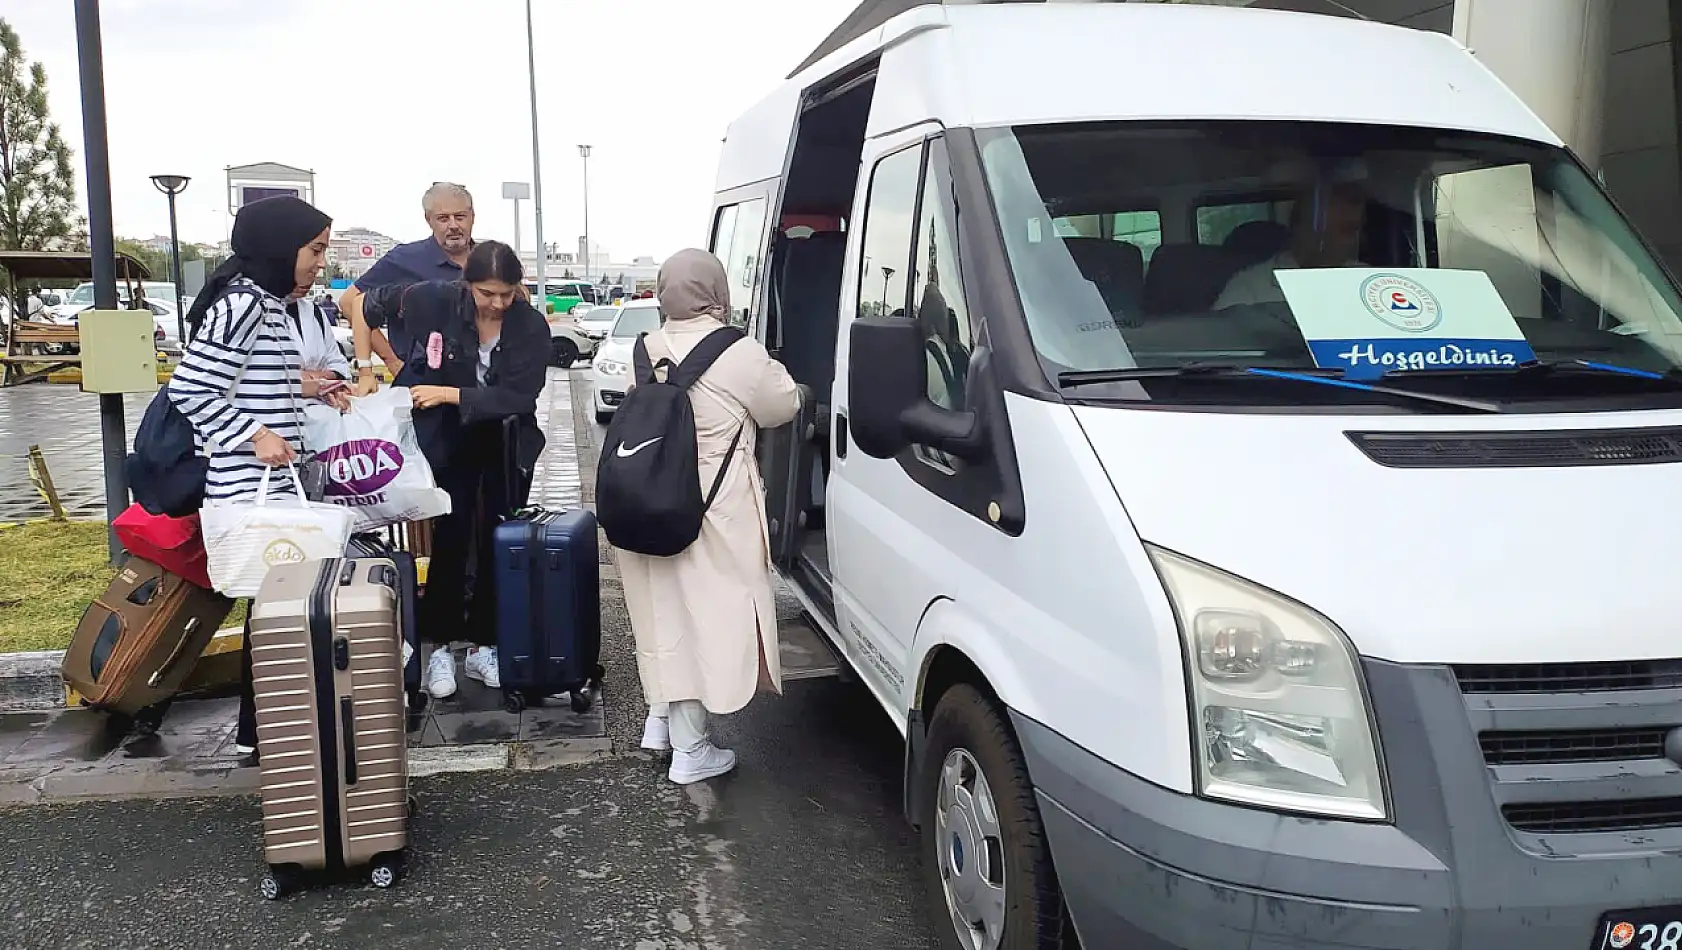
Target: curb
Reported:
[(32, 682), (226, 777)]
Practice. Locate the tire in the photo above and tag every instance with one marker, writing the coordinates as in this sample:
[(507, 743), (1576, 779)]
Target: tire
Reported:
[(562, 352), (968, 737)]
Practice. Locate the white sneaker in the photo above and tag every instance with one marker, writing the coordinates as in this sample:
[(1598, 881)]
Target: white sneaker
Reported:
[(657, 734), (441, 674), (709, 761), (481, 666)]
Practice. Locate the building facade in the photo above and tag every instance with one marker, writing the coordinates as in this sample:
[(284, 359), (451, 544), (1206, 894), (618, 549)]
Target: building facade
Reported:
[(354, 250), (248, 183)]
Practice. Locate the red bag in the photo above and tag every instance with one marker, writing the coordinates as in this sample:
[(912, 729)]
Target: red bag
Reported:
[(174, 544)]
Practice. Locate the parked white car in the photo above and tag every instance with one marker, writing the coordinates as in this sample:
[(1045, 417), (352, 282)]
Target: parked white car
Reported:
[(611, 371), (567, 341), (596, 321)]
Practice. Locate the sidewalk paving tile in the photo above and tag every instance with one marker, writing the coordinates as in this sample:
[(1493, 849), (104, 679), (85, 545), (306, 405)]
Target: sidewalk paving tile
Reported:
[(68, 753), (18, 728)]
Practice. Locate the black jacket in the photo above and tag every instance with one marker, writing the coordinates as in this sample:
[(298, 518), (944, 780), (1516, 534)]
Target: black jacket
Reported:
[(518, 371)]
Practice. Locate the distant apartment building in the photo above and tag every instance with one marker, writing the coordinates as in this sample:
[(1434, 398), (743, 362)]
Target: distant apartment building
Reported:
[(355, 250)]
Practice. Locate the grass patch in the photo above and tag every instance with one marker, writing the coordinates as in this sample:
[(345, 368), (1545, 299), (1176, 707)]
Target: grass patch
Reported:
[(49, 573)]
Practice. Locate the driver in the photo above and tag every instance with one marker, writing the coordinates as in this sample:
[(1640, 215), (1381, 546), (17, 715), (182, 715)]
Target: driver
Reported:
[(1326, 226)]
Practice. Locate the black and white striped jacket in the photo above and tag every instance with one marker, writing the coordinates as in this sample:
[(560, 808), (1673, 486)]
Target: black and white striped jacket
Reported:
[(246, 327)]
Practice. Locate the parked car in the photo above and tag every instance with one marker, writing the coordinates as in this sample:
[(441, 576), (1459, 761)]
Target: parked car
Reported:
[(166, 334), (611, 370), (596, 321), (568, 342)]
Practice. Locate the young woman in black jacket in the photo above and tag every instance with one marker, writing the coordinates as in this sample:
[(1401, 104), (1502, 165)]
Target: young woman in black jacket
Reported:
[(479, 361)]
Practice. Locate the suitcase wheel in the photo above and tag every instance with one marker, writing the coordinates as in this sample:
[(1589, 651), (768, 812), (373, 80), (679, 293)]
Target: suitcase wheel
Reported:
[(147, 721), (385, 874), (414, 806), (275, 884), (118, 725), (514, 702), (582, 700)]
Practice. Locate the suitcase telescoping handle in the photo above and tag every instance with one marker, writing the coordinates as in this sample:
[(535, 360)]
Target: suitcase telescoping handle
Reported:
[(511, 463), (174, 656)]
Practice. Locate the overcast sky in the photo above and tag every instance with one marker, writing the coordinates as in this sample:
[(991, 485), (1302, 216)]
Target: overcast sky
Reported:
[(383, 97)]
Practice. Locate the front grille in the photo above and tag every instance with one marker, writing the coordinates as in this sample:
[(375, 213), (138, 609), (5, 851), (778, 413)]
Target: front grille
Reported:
[(1638, 814), (1580, 745), (1566, 448), (1570, 677), (1579, 748)]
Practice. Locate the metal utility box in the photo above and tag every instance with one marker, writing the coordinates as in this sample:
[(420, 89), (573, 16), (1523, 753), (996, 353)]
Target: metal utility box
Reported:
[(119, 351)]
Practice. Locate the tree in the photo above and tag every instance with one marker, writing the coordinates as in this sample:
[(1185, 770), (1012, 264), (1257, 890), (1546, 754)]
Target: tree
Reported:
[(37, 183), (155, 262)]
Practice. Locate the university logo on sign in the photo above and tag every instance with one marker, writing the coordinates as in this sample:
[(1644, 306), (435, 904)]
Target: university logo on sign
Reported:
[(1401, 303)]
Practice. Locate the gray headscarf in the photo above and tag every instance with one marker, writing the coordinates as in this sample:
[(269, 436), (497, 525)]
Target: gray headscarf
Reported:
[(692, 284)]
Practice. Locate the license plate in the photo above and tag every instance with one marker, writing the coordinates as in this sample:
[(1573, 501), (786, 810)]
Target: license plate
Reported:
[(1655, 928)]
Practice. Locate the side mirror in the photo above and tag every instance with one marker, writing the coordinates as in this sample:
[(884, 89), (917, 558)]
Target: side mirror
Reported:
[(885, 377), (887, 389)]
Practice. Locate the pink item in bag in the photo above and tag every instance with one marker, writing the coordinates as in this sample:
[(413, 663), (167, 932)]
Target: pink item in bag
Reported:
[(435, 350)]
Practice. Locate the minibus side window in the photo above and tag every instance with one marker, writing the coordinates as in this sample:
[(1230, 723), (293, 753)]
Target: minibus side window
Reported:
[(888, 221), (724, 229), (939, 287), (1216, 222)]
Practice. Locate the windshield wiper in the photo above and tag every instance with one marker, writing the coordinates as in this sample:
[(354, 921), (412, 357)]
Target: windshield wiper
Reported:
[(1075, 378), (1537, 368)]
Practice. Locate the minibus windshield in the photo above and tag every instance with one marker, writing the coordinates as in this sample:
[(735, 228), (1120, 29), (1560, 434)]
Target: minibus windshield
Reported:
[(1334, 247)]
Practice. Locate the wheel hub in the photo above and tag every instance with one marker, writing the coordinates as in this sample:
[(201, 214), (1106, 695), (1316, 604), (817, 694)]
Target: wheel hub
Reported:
[(969, 849)]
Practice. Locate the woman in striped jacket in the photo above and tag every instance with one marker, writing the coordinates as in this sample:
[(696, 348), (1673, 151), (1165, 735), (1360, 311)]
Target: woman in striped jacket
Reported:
[(241, 380)]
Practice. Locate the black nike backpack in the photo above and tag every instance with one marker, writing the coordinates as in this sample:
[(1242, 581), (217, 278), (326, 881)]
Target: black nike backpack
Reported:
[(648, 479)]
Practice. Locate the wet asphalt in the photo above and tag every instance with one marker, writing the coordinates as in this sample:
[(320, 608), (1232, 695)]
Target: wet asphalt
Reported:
[(802, 847)]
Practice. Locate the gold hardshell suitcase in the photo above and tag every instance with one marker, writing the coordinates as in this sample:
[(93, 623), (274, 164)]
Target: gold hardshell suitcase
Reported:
[(327, 664)]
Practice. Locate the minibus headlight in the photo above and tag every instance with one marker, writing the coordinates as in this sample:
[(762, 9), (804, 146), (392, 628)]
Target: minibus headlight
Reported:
[(1279, 711)]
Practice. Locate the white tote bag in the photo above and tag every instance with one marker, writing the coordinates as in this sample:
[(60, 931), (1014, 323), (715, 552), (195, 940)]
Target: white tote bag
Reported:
[(373, 460), (245, 539)]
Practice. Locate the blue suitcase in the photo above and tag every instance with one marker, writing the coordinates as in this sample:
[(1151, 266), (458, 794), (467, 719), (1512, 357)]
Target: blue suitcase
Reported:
[(548, 607)]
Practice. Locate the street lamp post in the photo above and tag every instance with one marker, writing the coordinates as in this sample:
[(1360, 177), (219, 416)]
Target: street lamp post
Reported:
[(584, 150), (173, 185), (536, 169)]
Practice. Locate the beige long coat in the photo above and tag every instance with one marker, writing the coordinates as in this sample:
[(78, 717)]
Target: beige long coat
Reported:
[(702, 617)]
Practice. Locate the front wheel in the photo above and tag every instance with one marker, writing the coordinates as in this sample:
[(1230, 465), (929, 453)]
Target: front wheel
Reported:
[(562, 352), (986, 862)]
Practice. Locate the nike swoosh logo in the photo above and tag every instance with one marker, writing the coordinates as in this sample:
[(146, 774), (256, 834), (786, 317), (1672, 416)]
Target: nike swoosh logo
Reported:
[(623, 453)]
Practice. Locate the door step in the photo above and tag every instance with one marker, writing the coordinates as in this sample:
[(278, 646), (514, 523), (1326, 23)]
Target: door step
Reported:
[(806, 655)]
